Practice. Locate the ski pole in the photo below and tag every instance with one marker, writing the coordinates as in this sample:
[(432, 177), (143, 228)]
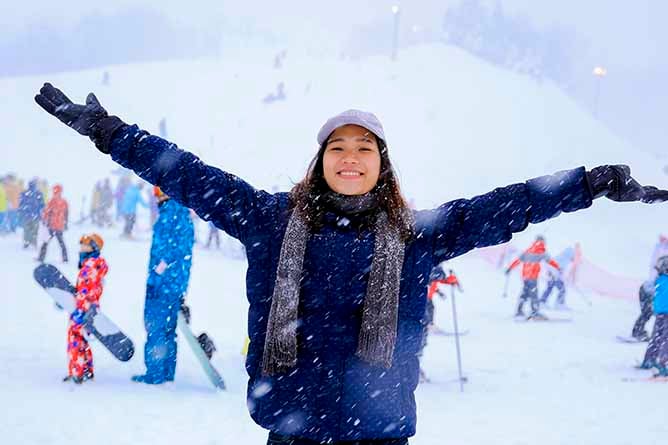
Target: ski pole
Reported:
[(459, 354), (505, 287)]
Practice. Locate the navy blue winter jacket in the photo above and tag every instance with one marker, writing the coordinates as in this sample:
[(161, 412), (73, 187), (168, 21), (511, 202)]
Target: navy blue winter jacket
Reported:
[(331, 394)]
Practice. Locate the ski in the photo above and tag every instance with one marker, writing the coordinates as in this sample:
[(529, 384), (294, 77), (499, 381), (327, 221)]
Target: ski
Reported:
[(629, 340)]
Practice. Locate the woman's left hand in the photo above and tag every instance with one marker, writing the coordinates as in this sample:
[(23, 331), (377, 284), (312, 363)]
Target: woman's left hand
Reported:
[(616, 183)]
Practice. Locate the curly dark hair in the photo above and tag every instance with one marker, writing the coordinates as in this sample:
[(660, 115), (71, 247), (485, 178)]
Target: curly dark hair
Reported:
[(306, 194)]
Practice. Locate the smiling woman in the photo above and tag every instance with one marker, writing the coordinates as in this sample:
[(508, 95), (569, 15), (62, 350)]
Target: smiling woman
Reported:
[(338, 267)]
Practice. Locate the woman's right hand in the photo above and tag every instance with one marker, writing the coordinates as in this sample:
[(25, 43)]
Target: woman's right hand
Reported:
[(81, 118), (90, 120)]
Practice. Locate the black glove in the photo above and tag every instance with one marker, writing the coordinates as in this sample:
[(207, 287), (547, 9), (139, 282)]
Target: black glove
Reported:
[(89, 120), (615, 183), (185, 310)]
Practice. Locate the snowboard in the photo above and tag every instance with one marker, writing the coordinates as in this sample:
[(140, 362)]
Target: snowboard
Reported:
[(201, 348), (97, 323), (623, 339)]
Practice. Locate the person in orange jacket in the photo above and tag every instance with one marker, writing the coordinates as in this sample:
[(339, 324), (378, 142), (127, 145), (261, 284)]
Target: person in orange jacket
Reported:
[(55, 217), (92, 270), (531, 261)]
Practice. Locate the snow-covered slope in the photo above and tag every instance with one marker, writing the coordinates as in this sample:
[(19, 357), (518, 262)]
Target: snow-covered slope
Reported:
[(456, 127)]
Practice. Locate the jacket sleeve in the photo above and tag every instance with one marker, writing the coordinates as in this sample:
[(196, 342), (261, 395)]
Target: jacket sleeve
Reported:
[(229, 202), (486, 220)]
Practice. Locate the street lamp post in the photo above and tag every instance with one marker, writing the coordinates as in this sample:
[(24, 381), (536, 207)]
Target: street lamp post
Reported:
[(395, 38), (600, 73)]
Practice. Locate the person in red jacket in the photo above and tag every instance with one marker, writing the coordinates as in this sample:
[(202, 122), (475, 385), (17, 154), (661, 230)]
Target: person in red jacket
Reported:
[(92, 270), (55, 217), (531, 260)]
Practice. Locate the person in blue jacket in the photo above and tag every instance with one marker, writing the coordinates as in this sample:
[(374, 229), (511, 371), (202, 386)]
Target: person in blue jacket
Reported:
[(656, 355), (168, 277), (131, 199), (338, 267), (31, 204)]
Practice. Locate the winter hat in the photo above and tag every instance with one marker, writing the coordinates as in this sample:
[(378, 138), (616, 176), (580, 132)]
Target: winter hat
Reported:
[(351, 117), (157, 192), (57, 189), (662, 265), (93, 240)]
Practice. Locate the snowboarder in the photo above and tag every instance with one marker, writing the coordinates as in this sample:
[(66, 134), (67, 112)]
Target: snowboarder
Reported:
[(338, 268), (31, 205), (55, 217), (657, 349), (531, 264), (168, 277), (92, 270)]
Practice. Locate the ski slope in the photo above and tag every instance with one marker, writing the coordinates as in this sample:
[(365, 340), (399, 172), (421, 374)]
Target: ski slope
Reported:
[(456, 127)]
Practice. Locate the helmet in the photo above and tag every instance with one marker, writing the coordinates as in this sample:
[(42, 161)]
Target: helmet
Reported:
[(93, 240)]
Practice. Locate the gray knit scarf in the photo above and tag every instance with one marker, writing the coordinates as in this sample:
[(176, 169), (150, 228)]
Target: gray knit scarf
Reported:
[(378, 331)]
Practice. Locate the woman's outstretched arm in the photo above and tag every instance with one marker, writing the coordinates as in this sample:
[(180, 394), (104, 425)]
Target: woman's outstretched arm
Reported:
[(232, 204), (465, 224)]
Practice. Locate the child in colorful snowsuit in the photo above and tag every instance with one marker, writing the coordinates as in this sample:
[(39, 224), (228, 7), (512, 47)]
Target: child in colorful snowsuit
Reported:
[(657, 350), (530, 260), (92, 270)]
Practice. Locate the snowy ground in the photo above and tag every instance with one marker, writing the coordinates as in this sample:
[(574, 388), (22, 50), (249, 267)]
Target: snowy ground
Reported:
[(554, 383), (456, 127)]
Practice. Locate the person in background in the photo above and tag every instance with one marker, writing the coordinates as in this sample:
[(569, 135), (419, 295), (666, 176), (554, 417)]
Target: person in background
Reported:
[(531, 261), (55, 217), (31, 204), (92, 270), (167, 283)]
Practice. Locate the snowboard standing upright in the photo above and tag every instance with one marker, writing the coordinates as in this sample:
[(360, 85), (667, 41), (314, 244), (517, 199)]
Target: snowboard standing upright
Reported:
[(97, 324), (201, 346)]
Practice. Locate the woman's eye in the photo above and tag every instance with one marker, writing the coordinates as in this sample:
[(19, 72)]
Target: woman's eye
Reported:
[(335, 148), (365, 149)]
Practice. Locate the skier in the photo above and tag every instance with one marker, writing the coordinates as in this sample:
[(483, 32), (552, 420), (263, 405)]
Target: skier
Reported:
[(55, 217), (438, 279), (31, 204), (566, 260), (131, 199), (530, 260), (92, 270), (168, 276), (338, 268), (647, 291), (657, 349)]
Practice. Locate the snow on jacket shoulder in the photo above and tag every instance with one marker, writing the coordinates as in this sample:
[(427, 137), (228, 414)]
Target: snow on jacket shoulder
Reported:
[(331, 395)]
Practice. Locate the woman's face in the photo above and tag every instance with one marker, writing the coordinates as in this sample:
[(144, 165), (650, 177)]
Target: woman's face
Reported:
[(351, 161)]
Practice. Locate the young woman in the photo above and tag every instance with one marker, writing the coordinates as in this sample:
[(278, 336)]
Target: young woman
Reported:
[(338, 267)]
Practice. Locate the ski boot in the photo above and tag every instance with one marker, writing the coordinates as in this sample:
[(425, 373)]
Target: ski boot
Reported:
[(645, 365), (74, 379), (663, 372), (642, 336), (537, 316), (207, 344), (88, 375)]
